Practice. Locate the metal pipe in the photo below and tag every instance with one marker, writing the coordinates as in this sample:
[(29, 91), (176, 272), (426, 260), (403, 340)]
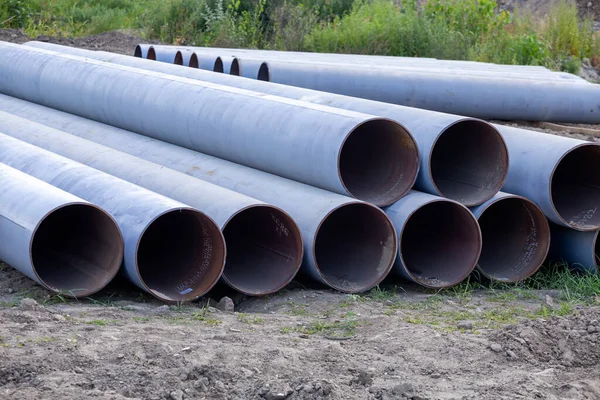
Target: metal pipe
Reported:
[(208, 63), (516, 238), (165, 55), (561, 175), (439, 240), (450, 145), (183, 57), (348, 245), (231, 66), (264, 244), (62, 242), (141, 50), (253, 69), (373, 159), (171, 250), (578, 249)]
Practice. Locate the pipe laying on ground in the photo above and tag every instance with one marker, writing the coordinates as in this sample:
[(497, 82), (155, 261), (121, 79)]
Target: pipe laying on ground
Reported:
[(264, 244), (141, 50), (579, 249), (561, 175), (348, 245), (231, 66), (439, 240), (62, 242), (462, 158), (373, 159), (183, 58), (253, 69), (171, 250), (516, 238), (206, 63)]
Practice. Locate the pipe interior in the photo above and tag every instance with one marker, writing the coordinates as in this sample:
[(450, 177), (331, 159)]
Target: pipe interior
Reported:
[(218, 65), (77, 249), (138, 51), (355, 247), (180, 255), (469, 162), (151, 54), (264, 250), (379, 162), (263, 72), (194, 61), (178, 58), (576, 187), (516, 237), (234, 69), (440, 244)]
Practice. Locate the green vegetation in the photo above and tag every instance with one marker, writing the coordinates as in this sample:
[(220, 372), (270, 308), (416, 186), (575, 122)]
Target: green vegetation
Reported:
[(445, 29), (250, 319), (102, 322)]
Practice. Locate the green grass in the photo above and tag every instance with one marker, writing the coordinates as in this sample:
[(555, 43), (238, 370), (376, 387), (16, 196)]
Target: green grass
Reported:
[(250, 319), (102, 322)]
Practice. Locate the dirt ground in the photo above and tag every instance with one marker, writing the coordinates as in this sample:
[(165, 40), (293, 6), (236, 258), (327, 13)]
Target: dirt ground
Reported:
[(303, 343)]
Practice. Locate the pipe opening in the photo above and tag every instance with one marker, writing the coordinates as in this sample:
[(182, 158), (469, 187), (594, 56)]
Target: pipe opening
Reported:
[(440, 244), (264, 74), (138, 51), (178, 58), (180, 255), (575, 188), (77, 249), (218, 67), (264, 250), (516, 239), (234, 68), (379, 162), (151, 54), (469, 162), (194, 61), (355, 247)]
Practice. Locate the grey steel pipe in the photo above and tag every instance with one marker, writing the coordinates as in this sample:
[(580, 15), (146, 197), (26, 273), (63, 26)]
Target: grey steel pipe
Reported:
[(62, 242), (439, 240), (264, 244), (461, 158), (208, 63), (171, 250), (578, 249), (253, 69), (561, 175), (166, 56), (348, 245), (141, 50), (231, 66), (183, 58), (516, 238), (373, 159)]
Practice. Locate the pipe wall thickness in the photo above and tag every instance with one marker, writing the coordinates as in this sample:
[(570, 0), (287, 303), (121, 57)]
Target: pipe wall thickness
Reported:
[(373, 159), (171, 250), (516, 238), (348, 245), (62, 242), (464, 159), (579, 249), (264, 244)]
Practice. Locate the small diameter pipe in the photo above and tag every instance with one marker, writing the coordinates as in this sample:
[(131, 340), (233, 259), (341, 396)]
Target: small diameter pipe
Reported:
[(253, 69), (231, 66), (516, 238), (141, 50), (439, 240), (166, 56), (581, 250), (207, 63), (62, 242), (561, 175), (264, 244), (172, 251)]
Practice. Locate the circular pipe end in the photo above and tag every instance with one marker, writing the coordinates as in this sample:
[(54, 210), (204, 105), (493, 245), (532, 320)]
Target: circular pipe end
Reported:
[(180, 255), (378, 162), (440, 244), (151, 54), (469, 162), (264, 250), (76, 250), (218, 67), (264, 73), (234, 69), (355, 247), (516, 239), (178, 58), (138, 51), (575, 188), (194, 61)]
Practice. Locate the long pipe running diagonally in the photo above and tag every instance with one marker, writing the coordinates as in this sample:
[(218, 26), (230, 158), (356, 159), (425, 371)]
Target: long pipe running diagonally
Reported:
[(516, 238), (349, 245), (62, 242), (371, 158), (264, 244), (439, 240), (464, 159), (172, 251)]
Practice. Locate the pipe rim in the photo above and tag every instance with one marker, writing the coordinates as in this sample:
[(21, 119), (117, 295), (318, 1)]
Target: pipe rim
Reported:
[(264, 72), (178, 60), (194, 63), (113, 269), (294, 230), (467, 271), (545, 226), (392, 241), (151, 54), (218, 65), (235, 68), (218, 245), (500, 180), (402, 151), (138, 51)]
